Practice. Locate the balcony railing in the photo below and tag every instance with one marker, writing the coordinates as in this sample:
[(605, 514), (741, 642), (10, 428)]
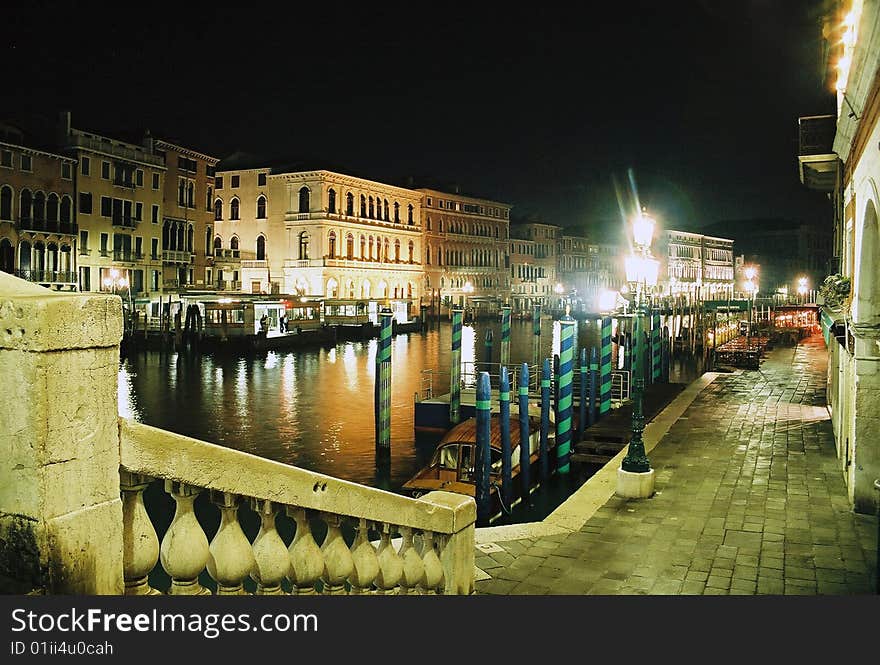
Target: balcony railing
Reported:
[(47, 276), (176, 256), (223, 285), (436, 532), (127, 255), (818, 164), (254, 264), (126, 221), (227, 253), (47, 226)]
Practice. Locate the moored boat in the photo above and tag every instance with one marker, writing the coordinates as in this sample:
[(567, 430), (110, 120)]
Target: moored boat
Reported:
[(451, 468)]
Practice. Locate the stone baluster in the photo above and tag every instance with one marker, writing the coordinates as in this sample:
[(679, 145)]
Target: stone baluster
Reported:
[(306, 558), (184, 550), (390, 564), (338, 563), (232, 558), (433, 581), (140, 545), (413, 568), (272, 562), (366, 563)]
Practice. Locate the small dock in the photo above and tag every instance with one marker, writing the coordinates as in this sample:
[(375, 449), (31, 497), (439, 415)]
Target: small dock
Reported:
[(612, 432)]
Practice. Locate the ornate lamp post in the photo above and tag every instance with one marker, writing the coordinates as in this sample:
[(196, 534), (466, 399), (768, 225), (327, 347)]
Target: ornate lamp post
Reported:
[(116, 281), (751, 287), (802, 290), (635, 478)]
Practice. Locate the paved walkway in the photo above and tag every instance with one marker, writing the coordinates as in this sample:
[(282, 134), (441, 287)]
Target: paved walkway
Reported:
[(750, 499)]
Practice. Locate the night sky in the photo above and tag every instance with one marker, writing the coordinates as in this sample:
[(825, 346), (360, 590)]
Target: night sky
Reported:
[(542, 107)]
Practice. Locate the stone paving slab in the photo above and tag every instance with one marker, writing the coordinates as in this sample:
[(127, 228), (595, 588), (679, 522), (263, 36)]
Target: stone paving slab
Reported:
[(749, 500)]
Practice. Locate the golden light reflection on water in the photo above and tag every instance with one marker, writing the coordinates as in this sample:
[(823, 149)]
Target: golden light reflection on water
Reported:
[(313, 407)]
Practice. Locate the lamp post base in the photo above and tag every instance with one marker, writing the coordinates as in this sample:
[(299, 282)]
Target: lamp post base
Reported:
[(635, 485)]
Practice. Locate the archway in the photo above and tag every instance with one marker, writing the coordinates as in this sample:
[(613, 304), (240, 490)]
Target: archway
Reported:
[(866, 283)]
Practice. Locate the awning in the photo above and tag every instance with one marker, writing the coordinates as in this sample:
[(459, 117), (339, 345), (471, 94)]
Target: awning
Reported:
[(832, 326)]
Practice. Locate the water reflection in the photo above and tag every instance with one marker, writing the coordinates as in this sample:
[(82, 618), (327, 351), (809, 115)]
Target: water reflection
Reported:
[(314, 408)]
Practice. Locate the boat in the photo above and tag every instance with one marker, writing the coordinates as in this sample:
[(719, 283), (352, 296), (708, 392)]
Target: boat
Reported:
[(451, 468)]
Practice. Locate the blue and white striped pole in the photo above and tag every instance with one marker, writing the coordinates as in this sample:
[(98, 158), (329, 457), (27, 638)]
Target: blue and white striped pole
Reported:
[(383, 381), (504, 415), (594, 379), (564, 403), (455, 369), (545, 420), (482, 454), (524, 433), (536, 334)]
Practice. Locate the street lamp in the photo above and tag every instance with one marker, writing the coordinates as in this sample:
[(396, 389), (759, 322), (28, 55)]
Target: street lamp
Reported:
[(802, 289), (635, 478), (751, 288), (116, 280)]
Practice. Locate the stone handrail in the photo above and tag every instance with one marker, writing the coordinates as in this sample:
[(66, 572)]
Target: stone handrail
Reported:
[(437, 530)]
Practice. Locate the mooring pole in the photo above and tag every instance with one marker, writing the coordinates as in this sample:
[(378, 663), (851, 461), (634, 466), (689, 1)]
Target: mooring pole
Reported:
[(536, 334), (655, 346), (545, 420), (664, 366), (594, 375), (525, 448), (582, 404), (488, 351), (482, 455), (605, 369), (383, 381), (504, 415), (455, 369), (505, 335), (564, 401)]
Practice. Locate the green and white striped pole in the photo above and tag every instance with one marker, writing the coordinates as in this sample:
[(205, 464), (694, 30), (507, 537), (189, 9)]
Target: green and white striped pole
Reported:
[(536, 333), (383, 381), (455, 369), (545, 421), (582, 403), (525, 446), (605, 367), (665, 347), (564, 405), (655, 347), (505, 335), (482, 454)]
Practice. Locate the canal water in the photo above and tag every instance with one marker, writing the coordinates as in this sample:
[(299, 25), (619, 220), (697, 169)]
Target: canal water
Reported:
[(313, 408)]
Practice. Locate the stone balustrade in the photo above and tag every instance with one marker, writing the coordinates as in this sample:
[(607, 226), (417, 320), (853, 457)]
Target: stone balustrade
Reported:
[(344, 531), (72, 513)]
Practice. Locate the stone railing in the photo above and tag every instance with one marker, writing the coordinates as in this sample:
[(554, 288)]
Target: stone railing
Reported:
[(72, 515), (354, 552)]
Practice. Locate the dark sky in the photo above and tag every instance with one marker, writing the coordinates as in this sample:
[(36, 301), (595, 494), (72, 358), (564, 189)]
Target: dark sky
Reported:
[(542, 106)]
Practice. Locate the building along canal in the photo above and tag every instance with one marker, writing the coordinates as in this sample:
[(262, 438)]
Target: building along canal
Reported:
[(313, 408)]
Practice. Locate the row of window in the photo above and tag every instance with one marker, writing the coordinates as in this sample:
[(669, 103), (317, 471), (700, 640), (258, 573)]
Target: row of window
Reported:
[(36, 206), (26, 163), (235, 209), (472, 208), (235, 181)]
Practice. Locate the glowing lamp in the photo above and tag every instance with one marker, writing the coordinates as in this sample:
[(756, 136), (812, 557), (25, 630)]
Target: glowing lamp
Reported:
[(643, 230), (607, 300), (642, 270)]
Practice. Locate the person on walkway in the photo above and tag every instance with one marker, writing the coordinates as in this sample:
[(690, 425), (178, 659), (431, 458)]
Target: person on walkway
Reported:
[(282, 323), (264, 323)]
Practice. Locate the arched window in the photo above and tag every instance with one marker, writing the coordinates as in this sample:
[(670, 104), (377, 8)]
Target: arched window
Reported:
[(233, 243), (372, 214), (363, 246), (365, 289), (349, 288), (363, 206), (331, 201), (409, 290), (396, 212), (24, 256), (332, 288), (7, 256), (209, 196), (387, 252), (52, 207), (191, 195), (6, 203), (303, 246), (261, 207), (208, 241), (409, 215), (218, 246), (190, 232), (349, 248), (412, 248), (218, 210), (349, 204), (66, 210), (370, 245), (261, 248), (304, 204), (381, 287), (331, 243), (385, 215), (397, 251), (25, 205), (233, 209), (39, 206)]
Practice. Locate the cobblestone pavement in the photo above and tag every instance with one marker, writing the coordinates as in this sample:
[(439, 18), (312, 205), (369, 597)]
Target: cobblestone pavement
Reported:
[(750, 499)]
